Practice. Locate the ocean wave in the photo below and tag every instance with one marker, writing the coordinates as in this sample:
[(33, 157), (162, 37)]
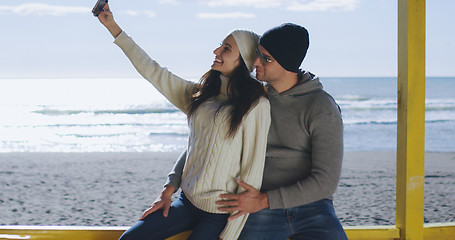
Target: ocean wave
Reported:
[(155, 134), (353, 98), (56, 112), (368, 122), (377, 104), (376, 122), (110, 135), (95, 125), (440, 121)]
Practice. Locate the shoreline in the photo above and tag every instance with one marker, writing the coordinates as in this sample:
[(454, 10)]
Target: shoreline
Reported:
[(113, 188)]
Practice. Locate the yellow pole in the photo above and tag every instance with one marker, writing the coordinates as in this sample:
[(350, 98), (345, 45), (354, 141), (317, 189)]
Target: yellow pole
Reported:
[(411, 119)]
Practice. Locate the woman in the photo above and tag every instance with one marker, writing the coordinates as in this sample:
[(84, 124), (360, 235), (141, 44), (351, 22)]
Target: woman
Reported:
[(228, 117)]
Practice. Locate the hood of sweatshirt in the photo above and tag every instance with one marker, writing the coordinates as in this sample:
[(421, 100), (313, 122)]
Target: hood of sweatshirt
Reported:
[(307, 84)]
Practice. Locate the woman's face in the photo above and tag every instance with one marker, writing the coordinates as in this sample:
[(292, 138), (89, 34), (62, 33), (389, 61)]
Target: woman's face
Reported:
[(227, 57)]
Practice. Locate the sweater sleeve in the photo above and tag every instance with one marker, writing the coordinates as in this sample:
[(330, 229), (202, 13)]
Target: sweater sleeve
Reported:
[(174, 178), (175, 89), (255, 131), (327, 154)]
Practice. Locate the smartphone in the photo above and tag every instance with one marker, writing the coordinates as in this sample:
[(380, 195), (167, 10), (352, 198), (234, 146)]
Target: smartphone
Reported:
[(98, 8)]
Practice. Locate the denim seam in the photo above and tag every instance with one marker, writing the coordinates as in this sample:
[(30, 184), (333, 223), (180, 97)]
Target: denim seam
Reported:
[(288, 218)]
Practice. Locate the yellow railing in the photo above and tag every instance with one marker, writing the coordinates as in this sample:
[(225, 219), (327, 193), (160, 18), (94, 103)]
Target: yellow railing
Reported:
[(433, 231), (410, 154)]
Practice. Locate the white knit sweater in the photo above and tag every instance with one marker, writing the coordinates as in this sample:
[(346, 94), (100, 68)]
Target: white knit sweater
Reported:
[(214, 161)]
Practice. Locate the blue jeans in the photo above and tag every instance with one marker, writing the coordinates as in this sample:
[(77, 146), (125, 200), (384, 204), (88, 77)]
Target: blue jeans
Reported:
[(315, 220), (182, 216)]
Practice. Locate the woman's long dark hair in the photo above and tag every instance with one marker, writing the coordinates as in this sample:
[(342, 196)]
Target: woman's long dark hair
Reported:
[(243, 93)]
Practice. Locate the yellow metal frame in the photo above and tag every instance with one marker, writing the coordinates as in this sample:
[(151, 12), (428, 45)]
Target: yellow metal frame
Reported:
[(411, 119), (410, 154), (433, 231)]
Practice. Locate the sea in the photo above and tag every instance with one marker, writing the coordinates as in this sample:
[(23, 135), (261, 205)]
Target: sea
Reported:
[(129, 115)]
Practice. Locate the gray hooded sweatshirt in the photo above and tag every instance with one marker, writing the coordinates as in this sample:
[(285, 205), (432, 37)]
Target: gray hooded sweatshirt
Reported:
[(304, 146)]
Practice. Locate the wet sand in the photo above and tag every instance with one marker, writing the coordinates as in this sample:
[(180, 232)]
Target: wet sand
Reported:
[(112, 189)]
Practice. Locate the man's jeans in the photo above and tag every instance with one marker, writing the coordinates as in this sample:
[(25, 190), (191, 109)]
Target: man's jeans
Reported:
[(315, 220)]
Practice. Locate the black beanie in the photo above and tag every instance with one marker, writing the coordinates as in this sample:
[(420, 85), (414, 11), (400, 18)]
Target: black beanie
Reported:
[(287, 44)]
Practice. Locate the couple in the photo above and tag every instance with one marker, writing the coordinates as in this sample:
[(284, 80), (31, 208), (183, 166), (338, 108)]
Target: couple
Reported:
[(258, 165)]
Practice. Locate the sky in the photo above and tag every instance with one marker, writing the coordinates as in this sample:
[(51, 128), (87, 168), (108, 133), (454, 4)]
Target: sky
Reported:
[(348, 38)]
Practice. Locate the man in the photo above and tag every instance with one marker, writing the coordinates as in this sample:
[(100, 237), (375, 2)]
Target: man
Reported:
[(304, 149)]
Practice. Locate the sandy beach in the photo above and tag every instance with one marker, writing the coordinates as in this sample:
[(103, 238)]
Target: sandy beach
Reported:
[(112, 189)]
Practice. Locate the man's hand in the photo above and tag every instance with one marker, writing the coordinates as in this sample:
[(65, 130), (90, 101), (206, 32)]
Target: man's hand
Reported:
[(250, 201)]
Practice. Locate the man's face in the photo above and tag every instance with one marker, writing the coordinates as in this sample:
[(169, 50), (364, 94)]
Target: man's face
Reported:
[(267, 68)]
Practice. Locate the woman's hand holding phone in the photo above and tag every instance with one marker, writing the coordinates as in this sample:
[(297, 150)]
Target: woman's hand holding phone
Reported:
[(107, 19), (99, 7)]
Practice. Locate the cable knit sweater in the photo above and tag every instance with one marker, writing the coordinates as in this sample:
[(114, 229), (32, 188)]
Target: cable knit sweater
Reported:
[(214, 161)]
